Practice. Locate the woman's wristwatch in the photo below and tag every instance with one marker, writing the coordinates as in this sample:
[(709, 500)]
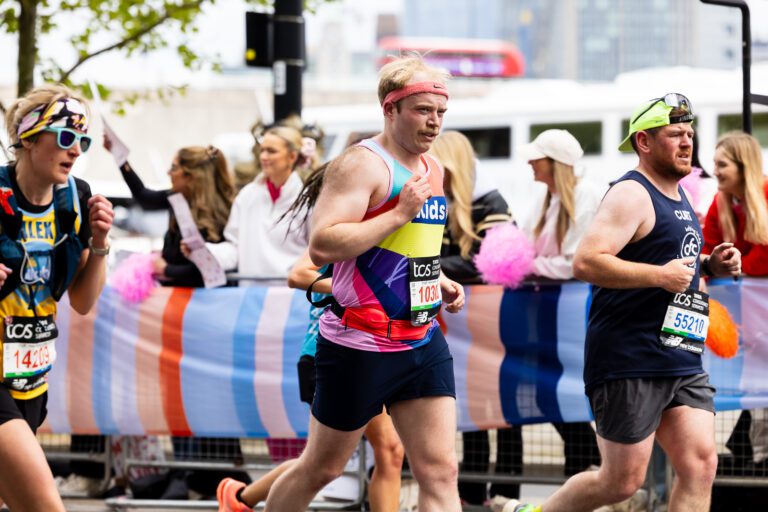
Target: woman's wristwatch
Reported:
[(98, 251)]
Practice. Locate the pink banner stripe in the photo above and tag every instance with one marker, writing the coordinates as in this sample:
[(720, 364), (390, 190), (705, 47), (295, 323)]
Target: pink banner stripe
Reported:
[(484, 357), (80, 372), (149, 401), (268, 380)]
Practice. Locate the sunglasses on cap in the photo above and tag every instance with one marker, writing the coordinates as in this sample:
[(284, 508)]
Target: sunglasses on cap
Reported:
[(674, 101), (67, 137)]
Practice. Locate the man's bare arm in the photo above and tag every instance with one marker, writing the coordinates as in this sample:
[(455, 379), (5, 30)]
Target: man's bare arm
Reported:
[(338, 229), (625, 214)]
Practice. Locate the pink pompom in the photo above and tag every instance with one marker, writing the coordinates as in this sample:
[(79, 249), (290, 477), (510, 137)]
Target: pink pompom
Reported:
[(133, 277), (505, 257), (692, 183)]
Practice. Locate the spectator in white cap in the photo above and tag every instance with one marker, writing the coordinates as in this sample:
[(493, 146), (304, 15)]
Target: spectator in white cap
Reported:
[(567, 210), (568, 207)]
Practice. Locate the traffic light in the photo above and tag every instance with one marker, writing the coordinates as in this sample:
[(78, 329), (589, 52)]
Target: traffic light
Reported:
[(258, 39)]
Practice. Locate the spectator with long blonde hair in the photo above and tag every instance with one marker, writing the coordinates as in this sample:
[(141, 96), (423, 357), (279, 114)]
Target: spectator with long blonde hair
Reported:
[(258, 241), (202, 176), (472, 210), (739, 213), (569, 205)]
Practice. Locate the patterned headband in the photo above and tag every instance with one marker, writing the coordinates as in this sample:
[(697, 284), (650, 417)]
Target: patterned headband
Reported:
[(63, 113)]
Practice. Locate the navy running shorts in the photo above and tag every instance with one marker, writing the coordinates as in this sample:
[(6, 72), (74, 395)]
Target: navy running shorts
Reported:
[(352, 385), (306, 369), (33, 411)]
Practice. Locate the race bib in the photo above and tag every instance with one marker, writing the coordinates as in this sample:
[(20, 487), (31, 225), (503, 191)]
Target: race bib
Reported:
[(29, 350), (424, 282), (686, 321)]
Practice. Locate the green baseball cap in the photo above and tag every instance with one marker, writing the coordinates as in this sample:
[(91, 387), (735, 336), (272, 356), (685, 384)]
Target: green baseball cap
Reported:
[(656, 113)]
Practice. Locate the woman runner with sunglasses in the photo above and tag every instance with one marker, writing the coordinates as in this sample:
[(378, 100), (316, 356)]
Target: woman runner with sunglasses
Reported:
[(54, 239)]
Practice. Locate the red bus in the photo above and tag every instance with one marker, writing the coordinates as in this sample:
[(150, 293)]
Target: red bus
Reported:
[(487, 58)]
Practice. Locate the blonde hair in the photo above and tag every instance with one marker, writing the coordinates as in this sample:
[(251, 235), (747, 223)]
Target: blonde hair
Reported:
[(565, 186), (396, 74), (454, 151), (46, 95), (211, 191), (744, 150)]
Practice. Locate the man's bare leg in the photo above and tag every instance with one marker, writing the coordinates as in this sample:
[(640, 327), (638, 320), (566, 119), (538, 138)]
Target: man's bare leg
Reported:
[(427, 427), (621, 473), (687, 435), (384, 490), (323, 459)]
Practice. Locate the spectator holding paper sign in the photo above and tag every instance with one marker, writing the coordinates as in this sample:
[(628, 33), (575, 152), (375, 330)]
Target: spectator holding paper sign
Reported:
[(201, 176)]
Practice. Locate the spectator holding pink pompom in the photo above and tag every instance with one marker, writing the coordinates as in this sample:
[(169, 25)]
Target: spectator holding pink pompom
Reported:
[(568, 208), (569, 205), (471, 213)]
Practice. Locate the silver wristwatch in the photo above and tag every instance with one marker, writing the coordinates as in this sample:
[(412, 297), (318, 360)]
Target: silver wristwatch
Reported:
[(98, 251)]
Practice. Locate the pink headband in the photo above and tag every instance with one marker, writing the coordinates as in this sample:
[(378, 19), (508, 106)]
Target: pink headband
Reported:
[(417, 88)]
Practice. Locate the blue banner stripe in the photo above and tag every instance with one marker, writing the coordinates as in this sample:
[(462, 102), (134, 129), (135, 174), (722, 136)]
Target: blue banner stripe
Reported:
[(207, 363), (124, 402), (517, 378), (549, 368), (57, 379), (244, 341), (726, 374), (571, 332), (293, 338), (101, 380)]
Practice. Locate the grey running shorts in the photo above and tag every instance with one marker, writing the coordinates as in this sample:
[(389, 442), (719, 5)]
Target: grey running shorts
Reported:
[(629, 410)]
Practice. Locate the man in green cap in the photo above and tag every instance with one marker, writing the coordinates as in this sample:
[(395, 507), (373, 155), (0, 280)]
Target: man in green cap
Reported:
[(647, 323)]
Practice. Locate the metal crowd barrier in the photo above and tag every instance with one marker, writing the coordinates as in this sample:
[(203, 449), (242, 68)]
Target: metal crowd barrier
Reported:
[(91, 452), (257, 456)]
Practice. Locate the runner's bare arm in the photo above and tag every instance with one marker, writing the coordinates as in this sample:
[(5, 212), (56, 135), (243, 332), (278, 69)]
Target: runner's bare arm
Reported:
[(338, 229), (625, 215), (303, 274)]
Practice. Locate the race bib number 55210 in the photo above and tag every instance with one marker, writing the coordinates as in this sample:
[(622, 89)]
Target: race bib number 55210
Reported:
[(686, 321)]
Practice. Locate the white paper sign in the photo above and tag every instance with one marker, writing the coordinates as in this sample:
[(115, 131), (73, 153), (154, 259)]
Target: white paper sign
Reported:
[(213, 274), (118, 148)]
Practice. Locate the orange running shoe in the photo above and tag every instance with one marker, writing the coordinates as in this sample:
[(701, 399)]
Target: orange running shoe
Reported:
[(226, 495)]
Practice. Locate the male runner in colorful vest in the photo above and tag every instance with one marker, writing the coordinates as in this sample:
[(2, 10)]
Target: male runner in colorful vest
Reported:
[(379, 219)]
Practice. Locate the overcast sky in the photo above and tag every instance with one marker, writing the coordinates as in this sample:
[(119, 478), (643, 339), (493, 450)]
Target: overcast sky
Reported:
[(222, 32)]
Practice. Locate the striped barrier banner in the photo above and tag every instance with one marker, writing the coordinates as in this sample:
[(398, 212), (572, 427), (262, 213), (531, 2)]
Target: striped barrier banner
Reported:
[(222, 362)]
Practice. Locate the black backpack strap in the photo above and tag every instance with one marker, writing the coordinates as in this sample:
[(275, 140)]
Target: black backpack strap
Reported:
[(326, 301)]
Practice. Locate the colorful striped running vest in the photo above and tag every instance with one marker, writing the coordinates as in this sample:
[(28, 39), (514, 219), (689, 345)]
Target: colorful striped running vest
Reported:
[(381, 279)]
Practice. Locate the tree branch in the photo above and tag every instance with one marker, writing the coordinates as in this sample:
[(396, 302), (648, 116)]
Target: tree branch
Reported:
[(135, 37)]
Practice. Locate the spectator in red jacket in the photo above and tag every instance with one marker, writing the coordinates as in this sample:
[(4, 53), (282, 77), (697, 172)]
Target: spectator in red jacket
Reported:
[(739, 213)]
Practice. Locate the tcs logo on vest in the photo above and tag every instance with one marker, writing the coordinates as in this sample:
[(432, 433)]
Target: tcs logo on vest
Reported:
[(434, 211)]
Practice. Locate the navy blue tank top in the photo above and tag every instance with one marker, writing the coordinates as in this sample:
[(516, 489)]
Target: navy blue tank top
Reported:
[(624, 325)]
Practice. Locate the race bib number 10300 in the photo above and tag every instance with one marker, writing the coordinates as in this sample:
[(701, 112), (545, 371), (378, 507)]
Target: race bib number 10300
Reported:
[(424, 283)]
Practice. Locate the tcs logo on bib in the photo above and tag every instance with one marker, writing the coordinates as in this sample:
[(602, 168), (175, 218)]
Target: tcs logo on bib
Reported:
[(434, 211)]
